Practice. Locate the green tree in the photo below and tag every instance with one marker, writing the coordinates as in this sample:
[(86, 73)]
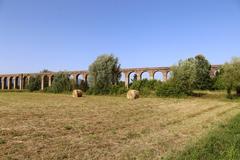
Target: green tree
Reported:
[(104, 72), (217, 81), (203, 80), (34, 84), (184, 76), (231, 76)]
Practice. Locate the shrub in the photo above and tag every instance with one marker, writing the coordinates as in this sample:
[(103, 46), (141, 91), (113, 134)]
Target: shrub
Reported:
[(61, 83), (117, 90), (113, 90), (231, 76), (169, 89), (83, 86), (203, 80), (98, 91), (238, 90), (145, 87), (218, 83), (184, 76), (34, 84)]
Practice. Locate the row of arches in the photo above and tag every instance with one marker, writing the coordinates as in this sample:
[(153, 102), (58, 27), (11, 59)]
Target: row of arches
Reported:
[(128, 77), (47, 80), (21, 82), (13, 82)]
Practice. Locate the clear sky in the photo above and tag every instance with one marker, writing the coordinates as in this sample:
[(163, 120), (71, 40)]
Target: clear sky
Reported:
[(70, 34)]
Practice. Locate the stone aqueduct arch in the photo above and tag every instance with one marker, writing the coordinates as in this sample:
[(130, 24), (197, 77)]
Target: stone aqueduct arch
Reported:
[(20, 81)]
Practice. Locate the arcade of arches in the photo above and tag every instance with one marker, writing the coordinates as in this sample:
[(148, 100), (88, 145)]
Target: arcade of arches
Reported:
[(20, 81)]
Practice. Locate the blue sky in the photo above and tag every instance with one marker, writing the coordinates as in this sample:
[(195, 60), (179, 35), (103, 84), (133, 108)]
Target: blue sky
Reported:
[(70, 34)]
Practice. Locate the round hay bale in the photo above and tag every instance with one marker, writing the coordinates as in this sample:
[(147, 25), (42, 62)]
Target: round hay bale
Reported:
[(132, 94), (77, 93)]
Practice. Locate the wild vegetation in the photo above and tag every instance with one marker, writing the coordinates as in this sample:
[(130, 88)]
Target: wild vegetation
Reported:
[(231, 76), (104, 73), (188, 75), (61, 83), (34, 84)]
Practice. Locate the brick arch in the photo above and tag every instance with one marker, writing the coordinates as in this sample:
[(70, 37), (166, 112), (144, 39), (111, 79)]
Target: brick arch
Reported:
[(44, 81), (129, 76), (161, 76), (11, 82), (142, 74), (79, 78), (17, 82), (4, 83)]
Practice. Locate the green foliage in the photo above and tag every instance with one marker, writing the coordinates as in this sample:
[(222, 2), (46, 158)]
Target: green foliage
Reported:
[(61, 83), (238, 90), (83, 86), (113, 90), (34, 83), (184, 76), (203, 80), (222, 143), (145, 86), (231, 75), (104, 72), (182, 80), (169, 89), (217, 81), (118, 90)]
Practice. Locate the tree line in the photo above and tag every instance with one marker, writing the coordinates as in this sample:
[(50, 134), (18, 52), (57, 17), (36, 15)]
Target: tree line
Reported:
[(186, 77)]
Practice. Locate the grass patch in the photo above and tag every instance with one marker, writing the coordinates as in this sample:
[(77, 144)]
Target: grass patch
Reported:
[(221, 144), (67, 127), (2, 141)]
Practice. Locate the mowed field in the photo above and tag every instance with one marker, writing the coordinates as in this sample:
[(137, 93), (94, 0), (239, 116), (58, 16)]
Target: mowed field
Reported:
[(49, 126)]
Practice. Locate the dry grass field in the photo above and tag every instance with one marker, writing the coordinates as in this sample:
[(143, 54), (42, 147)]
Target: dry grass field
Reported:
[(48, 126)]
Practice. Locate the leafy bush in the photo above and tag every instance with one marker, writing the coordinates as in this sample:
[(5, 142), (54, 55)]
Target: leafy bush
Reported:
[(145, 87), (113, 90), (169, 89), (238, 90), (82, 86), (34, 84), (231, 76), (61, 83), (218, 83), (184, 76), (98, 91), (203, 80), (118, 90)]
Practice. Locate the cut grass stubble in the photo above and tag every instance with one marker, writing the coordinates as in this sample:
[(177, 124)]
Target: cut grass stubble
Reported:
[(48, 126)]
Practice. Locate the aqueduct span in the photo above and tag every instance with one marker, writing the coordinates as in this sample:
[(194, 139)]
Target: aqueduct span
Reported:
[(20, 81)]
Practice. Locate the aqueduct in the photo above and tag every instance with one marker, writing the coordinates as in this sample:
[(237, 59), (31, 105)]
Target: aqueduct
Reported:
[(20, 81)]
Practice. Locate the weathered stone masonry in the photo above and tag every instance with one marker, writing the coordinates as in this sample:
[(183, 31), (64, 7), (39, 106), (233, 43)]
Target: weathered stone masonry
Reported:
[(20, 81)]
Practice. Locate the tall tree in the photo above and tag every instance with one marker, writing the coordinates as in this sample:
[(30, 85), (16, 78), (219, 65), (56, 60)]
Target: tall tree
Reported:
[(203, 80), (104, 72), (231, 76), (184, 76)]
